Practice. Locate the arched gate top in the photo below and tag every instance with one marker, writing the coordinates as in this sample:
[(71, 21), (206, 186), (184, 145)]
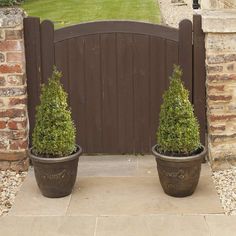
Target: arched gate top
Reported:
[(101, 27)]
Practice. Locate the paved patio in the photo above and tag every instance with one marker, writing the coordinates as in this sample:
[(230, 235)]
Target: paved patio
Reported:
[(118, 196)]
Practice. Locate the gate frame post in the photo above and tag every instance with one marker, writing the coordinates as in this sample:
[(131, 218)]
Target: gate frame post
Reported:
[(199, 75), (47, 49), (185, 54)]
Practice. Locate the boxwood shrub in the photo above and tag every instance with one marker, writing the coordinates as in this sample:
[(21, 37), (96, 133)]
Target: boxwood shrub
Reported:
[(54, 131), (178, 131)]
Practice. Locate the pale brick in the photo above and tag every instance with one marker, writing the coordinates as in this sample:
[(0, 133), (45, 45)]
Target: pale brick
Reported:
[(13, 34), (5, 165), (2, 58), (21, 165), (14, 57), (232, 108), (221, 58), (13, 155), (16, 80), (2, 34), (215, 108), (221, 78), (2, 81), (13, 134), (12, 91), (219, 138), (3, 143), (2, 103), (231, 68), (216, 88), (217, 128), (214, 69), (12, 45), (221, 42)]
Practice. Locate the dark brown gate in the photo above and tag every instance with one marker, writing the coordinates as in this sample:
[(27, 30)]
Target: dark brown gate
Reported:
[(115, 73)]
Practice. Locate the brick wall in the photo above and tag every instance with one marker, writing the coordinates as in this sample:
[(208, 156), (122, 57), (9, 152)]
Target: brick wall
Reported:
[(220, 42), (13, 97)]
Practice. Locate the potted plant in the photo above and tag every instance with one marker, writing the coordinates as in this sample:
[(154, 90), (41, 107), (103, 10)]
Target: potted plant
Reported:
[(54, 153), (178, 151)]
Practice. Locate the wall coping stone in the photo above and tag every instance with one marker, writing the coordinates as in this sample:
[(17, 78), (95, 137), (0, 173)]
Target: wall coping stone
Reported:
[(11, 17), (219, 21), (218, 4)]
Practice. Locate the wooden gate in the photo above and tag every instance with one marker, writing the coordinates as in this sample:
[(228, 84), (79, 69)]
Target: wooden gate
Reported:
[(115, 73)]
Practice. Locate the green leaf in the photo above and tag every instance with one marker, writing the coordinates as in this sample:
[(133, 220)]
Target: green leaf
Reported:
[(54, 132), (178, 130)]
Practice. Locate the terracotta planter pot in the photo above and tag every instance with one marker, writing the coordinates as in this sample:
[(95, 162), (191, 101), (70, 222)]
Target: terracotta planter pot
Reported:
[(179, 176), (56, 176)]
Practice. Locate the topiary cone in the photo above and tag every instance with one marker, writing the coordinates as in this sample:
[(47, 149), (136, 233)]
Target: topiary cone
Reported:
[(178, 131), (54, 131)]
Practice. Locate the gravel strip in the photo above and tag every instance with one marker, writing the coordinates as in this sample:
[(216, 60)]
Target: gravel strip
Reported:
[(10, 183), (173, 13), (225, 183)]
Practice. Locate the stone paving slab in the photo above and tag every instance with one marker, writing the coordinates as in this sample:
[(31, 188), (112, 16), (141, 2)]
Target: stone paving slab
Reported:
[(117, 185), (29, 201), (221, 225), (108, 166), (138, 196), (152, 225), (47, 226), (125, 165), (161, 225)]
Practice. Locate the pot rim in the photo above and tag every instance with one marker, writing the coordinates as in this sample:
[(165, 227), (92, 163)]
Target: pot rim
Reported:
[(57, 159), (179, 159)]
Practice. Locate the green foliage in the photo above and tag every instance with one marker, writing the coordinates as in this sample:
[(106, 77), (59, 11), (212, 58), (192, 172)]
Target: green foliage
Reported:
[(6, 3), (54, 132), (178, 131)]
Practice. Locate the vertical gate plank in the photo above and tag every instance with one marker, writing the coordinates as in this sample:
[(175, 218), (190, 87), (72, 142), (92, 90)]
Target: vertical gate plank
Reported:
[(157, 83), (47, 49), (199, 92), (172, 57), (141, 93), (33, 66), (77, 88), (93, 93), (125, 93), (109, 81), (61, 61), (185, 54)]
